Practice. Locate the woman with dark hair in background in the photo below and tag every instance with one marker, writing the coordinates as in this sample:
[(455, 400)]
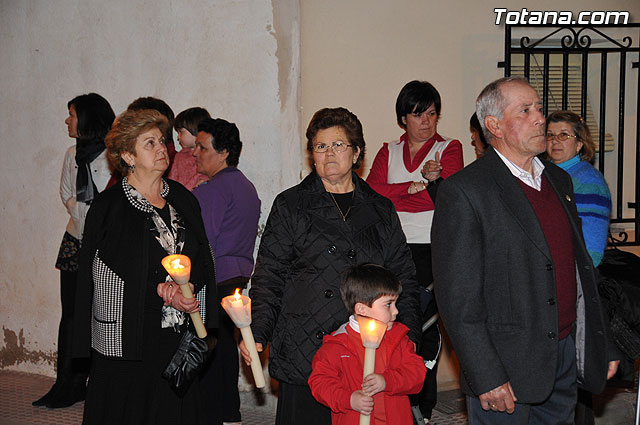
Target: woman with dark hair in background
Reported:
[(85, 172), (317, 229), (230, 211), (407, 172), (478, 140)]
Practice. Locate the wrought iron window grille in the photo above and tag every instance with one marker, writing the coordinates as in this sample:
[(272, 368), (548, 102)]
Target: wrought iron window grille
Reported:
[(574, 67)]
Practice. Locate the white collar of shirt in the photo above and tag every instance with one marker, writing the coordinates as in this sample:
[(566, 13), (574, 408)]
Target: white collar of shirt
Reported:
[(534, 180)]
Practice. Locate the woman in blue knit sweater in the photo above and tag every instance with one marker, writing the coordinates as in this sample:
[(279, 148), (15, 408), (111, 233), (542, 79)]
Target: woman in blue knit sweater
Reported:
[(570, 146)]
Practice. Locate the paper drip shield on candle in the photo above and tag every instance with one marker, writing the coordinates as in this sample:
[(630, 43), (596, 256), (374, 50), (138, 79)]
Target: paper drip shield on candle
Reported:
[(179, 267), (371, 331), (238, 308)]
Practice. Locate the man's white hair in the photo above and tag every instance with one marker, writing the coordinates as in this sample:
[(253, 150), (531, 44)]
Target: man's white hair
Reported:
[(490, 101)]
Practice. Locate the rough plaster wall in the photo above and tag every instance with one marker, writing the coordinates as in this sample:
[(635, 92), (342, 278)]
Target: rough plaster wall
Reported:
[(359, 53), (237, 58)]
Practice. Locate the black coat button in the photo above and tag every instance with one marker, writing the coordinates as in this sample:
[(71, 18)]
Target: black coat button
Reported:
[(551, 301), (331, 249), (551, 335), (549, 267), (319, 334), (328, 293), (351, 254)]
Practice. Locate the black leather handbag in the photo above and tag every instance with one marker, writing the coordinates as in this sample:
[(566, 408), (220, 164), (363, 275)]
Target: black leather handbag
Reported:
[(188, 361)]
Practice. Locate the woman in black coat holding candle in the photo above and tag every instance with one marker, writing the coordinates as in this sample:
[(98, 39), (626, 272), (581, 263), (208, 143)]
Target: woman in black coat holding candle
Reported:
[(317, 229), (129, 314)]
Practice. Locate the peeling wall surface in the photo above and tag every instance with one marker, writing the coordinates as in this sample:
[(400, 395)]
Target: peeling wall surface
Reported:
[(237, 58)]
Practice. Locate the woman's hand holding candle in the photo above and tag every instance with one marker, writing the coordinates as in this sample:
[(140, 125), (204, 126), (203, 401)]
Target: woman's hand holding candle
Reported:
[(172, 296), (238, 307), (246, 356)]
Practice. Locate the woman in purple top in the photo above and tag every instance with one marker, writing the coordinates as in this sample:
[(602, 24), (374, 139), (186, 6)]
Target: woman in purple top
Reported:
[(230, 210)]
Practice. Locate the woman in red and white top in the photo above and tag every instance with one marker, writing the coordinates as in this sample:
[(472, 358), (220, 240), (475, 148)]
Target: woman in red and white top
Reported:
[(403, 170)]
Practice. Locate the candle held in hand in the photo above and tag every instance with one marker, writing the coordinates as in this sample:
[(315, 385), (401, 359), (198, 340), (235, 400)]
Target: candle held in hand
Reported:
[(371, 333), (179, 268), (238, 307)]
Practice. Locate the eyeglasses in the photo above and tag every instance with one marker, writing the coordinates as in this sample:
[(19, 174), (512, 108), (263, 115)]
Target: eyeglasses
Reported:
[(561, 137), (335, 146)]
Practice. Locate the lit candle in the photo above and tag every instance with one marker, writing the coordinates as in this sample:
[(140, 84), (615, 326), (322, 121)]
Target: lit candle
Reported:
[(236, 302), (238, 307), (179, 268), (371, 333)]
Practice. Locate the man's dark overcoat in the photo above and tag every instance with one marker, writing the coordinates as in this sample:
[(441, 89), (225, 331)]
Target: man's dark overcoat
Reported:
[(495, 284)]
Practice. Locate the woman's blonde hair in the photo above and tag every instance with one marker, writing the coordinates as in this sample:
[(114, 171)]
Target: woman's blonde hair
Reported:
[(126, 129)]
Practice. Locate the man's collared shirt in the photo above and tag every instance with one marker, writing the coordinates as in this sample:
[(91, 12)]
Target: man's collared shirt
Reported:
[(533, 181)]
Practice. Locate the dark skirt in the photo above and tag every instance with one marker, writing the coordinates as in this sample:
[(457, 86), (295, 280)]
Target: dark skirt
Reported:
[(134, 392)]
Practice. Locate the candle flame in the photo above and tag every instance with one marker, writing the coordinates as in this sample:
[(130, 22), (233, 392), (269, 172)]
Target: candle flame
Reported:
[(237, 294), (176, 264), (372, 325)]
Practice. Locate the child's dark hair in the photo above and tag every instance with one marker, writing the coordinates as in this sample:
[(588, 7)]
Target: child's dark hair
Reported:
[(190, 118), (366, 283)]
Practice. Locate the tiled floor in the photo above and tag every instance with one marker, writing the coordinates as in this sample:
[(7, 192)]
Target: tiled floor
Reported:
[(18, 390)]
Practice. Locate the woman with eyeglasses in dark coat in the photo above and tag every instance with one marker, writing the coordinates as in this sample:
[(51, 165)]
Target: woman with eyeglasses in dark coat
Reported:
[(317, 229)]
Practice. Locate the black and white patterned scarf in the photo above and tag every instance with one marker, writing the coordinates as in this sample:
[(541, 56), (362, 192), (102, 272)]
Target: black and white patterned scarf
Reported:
[(170, 238)]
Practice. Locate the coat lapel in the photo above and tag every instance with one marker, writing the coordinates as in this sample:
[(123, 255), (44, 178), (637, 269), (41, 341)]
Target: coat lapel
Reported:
[(516, 202)]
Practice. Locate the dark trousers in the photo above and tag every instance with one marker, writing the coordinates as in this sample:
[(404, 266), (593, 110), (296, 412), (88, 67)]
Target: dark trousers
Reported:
[(296, 406), (430, 342), (558, 408), (70, 372), (584, 408), (219, 381)]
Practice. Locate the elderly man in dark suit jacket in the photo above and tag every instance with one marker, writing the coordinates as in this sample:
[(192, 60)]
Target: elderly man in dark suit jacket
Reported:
[(514, 283)]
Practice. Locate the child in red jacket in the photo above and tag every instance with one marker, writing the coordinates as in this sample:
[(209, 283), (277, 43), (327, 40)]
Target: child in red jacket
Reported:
[(336, 381)]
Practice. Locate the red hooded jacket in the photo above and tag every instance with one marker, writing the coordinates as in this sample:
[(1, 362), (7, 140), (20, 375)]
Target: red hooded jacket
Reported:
[(338, 368)]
